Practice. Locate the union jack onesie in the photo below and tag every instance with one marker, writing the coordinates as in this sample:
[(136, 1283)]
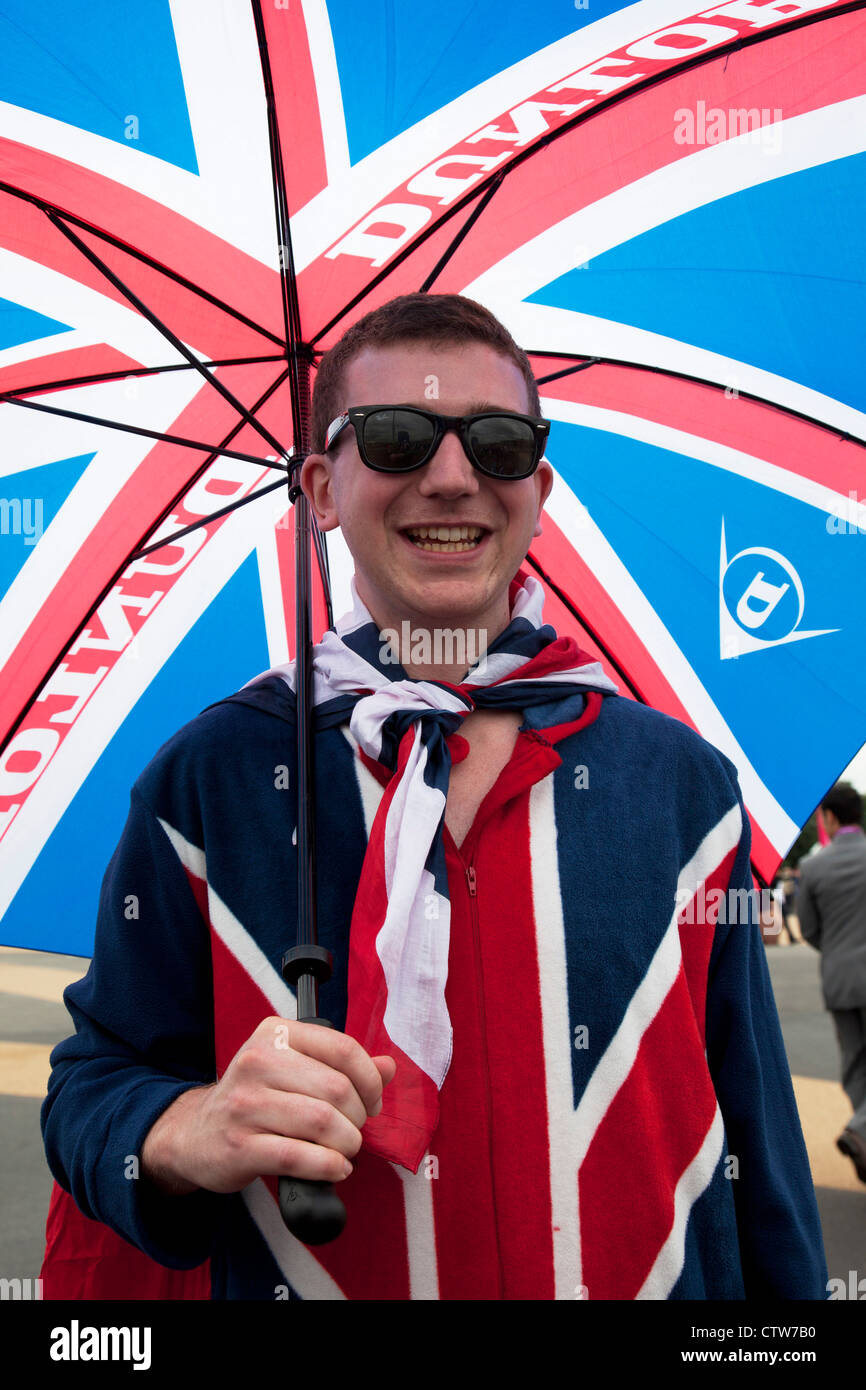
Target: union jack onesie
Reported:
[(618, 1120)]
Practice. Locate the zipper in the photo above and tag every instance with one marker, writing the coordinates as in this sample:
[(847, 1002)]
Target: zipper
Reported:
[(470, 879)]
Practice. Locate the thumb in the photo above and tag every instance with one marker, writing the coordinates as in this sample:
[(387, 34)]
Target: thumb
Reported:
[(387, 1068)]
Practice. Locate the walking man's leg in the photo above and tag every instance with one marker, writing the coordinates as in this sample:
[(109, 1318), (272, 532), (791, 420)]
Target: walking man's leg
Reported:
[(851, 1032)]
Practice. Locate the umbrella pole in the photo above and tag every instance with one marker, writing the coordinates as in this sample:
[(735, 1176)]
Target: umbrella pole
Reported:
[(311, 1210)]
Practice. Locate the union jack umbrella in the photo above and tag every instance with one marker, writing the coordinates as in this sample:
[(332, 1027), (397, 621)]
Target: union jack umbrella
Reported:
[(663, 204)]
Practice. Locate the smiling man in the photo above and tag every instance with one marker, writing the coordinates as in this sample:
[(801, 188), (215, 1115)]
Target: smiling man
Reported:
[(406, 530), (551, 1081)]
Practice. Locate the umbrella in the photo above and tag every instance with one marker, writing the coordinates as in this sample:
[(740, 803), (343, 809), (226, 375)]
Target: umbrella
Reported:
[(661, 203)]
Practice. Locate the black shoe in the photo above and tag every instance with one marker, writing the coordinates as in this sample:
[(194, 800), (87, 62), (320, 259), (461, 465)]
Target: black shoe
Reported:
[(851, 1144)]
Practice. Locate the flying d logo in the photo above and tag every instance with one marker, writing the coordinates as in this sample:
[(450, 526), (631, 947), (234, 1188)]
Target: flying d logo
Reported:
[(761, 601)]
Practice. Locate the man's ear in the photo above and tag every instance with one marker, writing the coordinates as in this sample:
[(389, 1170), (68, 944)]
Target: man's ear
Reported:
[(545, 475), (318, 487)]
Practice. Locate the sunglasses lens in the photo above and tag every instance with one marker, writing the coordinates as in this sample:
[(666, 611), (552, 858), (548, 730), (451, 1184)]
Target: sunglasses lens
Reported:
[(396, 440), (502, 446)]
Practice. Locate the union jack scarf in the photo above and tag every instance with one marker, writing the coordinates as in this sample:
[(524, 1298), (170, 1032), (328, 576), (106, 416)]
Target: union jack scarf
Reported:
[(399, 935)]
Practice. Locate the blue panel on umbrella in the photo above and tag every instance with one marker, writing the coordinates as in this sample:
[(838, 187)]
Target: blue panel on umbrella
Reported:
[(789, 298), (440, 48), (795, 703), (20, 325), (29, 502), (55, 908), (107, 68)]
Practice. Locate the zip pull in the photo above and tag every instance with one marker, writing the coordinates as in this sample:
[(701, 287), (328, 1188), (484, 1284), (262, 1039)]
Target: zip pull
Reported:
[(470, 879)]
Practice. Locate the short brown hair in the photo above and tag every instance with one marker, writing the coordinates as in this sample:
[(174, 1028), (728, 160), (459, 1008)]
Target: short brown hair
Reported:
[(432, 318)]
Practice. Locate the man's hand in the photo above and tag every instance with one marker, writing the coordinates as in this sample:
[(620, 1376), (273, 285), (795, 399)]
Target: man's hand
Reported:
[(291, 1103)]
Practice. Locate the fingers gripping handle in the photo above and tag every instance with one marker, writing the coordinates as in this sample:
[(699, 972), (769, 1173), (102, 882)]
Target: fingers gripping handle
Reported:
[(311, 1210)]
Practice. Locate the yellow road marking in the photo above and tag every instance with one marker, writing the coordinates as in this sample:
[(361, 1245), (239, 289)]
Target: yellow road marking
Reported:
[(46, 982), (24, 1069), (824, 1112)]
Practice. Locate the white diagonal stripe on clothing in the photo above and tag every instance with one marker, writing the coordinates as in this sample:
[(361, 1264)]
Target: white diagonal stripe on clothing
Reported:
[(299, 1266), (559, 1081), (693, 1182), (232, 933), (619, 1057), (420, 1232)]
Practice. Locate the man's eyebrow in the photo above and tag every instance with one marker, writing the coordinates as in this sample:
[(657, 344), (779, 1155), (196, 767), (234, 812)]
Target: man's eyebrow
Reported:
[(473, 408)]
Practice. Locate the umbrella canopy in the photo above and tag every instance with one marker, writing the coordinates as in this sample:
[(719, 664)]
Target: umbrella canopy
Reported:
[(663, 204)]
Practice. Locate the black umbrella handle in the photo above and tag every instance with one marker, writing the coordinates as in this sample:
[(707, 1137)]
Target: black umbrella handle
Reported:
[(311, 1210)]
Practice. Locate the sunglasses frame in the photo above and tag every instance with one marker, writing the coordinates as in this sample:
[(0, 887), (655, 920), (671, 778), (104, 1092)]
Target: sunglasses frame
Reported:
[(357, 416)]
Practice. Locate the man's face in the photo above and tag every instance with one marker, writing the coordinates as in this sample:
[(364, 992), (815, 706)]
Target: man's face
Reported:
[(395, 577)]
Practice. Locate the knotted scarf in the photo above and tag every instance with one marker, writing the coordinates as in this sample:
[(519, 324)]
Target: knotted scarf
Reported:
[(399, 936)]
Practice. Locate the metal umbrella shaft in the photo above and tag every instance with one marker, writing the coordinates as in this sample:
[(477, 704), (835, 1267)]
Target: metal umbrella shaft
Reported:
[(311, 1210)]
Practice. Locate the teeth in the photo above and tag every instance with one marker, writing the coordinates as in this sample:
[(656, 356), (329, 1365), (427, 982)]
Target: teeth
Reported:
[(445, 539), (445, 533)]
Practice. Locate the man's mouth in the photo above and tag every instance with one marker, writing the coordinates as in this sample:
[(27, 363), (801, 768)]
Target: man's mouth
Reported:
[(445, 539)]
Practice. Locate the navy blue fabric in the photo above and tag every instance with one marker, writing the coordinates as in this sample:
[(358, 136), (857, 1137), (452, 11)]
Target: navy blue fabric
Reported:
[(144, 1011)]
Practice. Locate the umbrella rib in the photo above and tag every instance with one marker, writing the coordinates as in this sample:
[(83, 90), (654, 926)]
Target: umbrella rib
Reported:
[(205, 520), (466, 227), (609, 657), (299, 354), (602, 645), (161, 437), (162, 328), (157, 521), (142, 256), (566, 371), (844, 435), (97, 378)]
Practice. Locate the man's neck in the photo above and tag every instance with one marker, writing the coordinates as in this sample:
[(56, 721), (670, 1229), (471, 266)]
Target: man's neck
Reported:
[(431, 652), (439, 649)]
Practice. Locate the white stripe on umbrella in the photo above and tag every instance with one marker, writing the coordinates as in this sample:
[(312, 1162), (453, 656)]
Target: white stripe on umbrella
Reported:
[(230, 137), (339, 206), (708, 451), (157, 403), (693, 181), (572, 518), (129, 677)]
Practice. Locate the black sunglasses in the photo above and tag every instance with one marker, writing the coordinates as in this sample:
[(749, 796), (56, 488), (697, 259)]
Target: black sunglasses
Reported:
[(398, 438)]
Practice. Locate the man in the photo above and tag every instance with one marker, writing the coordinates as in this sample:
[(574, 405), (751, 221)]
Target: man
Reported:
[(831, 906), (543, 1084), (788, 879)]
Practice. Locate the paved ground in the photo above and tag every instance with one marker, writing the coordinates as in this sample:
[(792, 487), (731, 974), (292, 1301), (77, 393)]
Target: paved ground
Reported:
[(33, 1019)]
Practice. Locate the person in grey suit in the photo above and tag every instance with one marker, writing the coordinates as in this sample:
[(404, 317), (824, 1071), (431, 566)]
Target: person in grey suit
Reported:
[(831, 907)]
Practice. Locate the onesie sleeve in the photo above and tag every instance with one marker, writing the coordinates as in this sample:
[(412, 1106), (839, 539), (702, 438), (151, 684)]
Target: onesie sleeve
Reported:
[(779, 1230), (144, 1032)]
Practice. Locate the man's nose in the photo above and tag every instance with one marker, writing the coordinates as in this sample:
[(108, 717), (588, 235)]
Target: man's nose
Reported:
[(449, 471)]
